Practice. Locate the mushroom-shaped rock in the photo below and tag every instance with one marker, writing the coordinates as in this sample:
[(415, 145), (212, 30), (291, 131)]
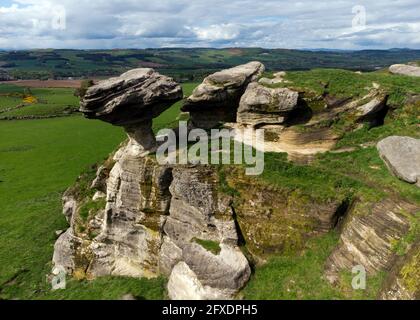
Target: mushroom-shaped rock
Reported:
[(217, 98), (404, 69), (262, 105), (402, 156), (132, 100)]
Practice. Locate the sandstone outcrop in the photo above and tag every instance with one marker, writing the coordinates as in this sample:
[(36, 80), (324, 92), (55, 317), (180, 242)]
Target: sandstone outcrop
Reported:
[(404, 69), (368, 236), (199, 215), (217, 98), (402, 156), (262, 105), (132, 100), (403, 282)]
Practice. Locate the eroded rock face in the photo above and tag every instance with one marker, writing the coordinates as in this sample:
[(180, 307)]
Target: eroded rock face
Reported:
[(368, 236), (404, 69), (273, 221), (262, 105), (137, 196), (217, 98), (132, 100), (403, 282), (402, 156), (199, 213)]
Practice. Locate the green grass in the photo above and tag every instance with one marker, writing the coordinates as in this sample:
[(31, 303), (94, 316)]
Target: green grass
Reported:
[(39, 160), (170, 118), (344, 83), (212, 246), (301, 276)]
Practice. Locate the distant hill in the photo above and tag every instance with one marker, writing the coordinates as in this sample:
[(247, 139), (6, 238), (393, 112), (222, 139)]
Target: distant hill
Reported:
[(188, 64)]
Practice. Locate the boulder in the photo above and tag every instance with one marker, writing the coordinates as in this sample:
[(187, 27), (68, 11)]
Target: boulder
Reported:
[(132, 100), (402, 156), (217, 98), (368, 236), (200, 216), (262, 105), (404, 69)]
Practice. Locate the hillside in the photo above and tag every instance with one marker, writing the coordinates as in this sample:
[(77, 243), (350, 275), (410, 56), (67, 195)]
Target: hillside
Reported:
[(187, 64)]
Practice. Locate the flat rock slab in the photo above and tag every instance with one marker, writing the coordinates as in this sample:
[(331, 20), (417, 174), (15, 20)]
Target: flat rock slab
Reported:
[(402, 156), (404, 69)]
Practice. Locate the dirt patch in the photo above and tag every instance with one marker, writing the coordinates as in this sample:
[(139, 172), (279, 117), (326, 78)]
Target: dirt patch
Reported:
[(236, 52)]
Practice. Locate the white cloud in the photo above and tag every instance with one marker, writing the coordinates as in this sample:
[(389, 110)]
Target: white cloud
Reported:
[(268, 23)]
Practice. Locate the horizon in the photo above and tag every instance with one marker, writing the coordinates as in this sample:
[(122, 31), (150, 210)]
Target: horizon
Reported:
[(116, 24), (212, 48)]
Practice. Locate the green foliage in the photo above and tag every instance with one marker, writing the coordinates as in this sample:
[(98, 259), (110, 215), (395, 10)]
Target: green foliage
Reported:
[(90, 208)]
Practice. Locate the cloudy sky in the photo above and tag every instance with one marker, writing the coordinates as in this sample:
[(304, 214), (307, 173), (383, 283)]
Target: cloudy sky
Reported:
[(340, 24)]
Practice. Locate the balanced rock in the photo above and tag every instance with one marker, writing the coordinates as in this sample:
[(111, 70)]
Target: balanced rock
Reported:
[(262, 105), (402, 156), (217, 98), (404, 69), (132, 100)]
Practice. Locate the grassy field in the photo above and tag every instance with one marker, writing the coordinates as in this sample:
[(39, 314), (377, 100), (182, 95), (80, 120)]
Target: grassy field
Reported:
[(36, 101), (39, 160), (301, 277)]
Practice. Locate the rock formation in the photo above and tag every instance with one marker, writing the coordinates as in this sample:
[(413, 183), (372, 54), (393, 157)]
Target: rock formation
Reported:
[(403, 282), (217, 99), (368, 235), (262, 105), (132, 101), (404, 69), (198, 214), (402, 156), (137, 218)]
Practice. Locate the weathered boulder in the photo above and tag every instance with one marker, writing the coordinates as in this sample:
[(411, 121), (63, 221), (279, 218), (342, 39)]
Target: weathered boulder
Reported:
[(137, 196), (404, 69), (199, 215), (262, 105), (402, 156), (217, 98), (132, 100), (368, 236)]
